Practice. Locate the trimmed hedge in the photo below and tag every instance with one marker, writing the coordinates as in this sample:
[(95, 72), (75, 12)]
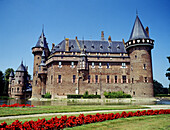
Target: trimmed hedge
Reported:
[(83, 96), (162, 95), (118, 94)]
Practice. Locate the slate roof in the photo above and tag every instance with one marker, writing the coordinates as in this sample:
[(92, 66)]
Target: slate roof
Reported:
[(138, 31), (42, 41), (95, 46), (21, 68), (11, 74)]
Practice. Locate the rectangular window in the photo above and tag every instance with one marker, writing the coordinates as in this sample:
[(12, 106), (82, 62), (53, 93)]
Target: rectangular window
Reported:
[(107, 65), (145, 79), (74, 78), (144, 66), (100, 65), (108, 78), (88, 78), (59, 78), (59, 64), (115, 79), (92, 64), (124, 78), (51, 79), (123, 65), (96, 78), (132, 80), (72, 64)]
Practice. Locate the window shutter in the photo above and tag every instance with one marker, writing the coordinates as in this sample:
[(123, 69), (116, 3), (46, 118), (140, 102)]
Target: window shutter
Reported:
[(121, 80), (76, 80), (98, 79), (110, 80), (126, 80), (61, 80), (57, 80), (72, 80)]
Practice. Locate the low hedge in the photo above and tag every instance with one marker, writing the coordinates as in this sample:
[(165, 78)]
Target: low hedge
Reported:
[(162, 95), (84, 96), (118, 94)]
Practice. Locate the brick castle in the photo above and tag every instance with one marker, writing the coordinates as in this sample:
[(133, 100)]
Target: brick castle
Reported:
[(74, 66)]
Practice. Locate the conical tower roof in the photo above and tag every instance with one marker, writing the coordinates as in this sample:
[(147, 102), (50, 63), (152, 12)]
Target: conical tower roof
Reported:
[(138, 31), (21, 68), (42, 41)]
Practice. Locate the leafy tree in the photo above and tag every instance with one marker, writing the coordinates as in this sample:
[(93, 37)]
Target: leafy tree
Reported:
[(7, 73), (168, 74), (2, 82), (158, 88)]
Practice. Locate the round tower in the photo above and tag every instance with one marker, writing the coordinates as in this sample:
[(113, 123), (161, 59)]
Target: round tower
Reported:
[(139, 48), (37, 51)]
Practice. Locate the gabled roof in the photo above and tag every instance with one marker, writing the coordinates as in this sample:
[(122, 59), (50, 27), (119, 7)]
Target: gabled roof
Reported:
[(21, 68), (95, 46), (138, 31), (42, 41)]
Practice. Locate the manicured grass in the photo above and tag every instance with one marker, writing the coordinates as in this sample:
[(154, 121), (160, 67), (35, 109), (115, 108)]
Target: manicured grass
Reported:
[(155, 122), (57, 109)]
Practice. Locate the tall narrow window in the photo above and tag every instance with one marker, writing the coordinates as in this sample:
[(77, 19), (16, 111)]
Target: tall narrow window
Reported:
[(124, 78), (59, 64), (145, 79), (92, 64), (144, 66), (123, 65), (74, 78), (88, 78), (51, 79), (72, 64), (132, 80), (108, 78), (100, 65), (96, 78), (59, 78), (115, 79), (107, 65)]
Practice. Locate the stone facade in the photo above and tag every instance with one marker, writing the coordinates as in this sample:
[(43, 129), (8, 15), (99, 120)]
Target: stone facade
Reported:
[(76, 66)]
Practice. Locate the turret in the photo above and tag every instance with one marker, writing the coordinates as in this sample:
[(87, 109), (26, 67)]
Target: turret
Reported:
[(11, 77), (139, 48), (41, 46)]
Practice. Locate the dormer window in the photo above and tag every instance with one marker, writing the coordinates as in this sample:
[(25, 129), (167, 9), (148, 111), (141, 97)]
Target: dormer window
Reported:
[(109, 47), (118, 47), (92, 46), (101, 47), (85, 46), (72, 46)]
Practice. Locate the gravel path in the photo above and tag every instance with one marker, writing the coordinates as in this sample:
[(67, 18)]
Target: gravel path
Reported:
[(154, 107)]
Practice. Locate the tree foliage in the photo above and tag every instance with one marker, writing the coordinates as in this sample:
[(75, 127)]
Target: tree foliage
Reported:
[(2, 82), (168, 73), (158, 88)]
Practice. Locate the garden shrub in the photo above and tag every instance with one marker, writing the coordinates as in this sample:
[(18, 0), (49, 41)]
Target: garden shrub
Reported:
[(47, 95), (162, 95), (118, 94)]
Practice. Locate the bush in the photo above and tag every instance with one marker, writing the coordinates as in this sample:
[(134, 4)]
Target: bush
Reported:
[(162, 95), (74, 96), (84, 96), (47, 95), (118, 94)]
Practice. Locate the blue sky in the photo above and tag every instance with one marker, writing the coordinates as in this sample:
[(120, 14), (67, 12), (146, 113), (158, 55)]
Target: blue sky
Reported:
[(21, 24)]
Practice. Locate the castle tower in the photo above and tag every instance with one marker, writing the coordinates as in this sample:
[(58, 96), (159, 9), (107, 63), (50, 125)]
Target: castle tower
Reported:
[(11, 77), (18, 87), (139, 48), (37, 51)]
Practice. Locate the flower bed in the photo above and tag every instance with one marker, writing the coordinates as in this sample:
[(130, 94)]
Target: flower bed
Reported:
[(17, 105), (71, 121)]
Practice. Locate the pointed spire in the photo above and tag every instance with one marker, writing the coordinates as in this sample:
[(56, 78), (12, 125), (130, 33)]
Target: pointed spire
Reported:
[(11, 74), (138, 31)]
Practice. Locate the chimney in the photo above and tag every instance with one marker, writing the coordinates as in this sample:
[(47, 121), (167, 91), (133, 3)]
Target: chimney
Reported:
[(147, 30), (67, 44), (102, 35), (53, 45), (109, 39)]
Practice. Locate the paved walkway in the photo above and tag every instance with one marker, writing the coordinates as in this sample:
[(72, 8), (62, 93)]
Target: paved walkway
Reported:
[(153, 107)]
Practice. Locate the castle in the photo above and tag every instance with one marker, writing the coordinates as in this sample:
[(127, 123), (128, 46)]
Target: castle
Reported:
[(19, 83), (75, 66)]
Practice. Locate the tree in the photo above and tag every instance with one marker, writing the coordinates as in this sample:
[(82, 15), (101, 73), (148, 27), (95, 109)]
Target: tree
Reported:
[(168, 73), (2, 82), (158, 88), (7, 73)]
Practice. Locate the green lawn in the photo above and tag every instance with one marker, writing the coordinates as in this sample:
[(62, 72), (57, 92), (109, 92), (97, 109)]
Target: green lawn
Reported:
[(156, 122), (57, 109)]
